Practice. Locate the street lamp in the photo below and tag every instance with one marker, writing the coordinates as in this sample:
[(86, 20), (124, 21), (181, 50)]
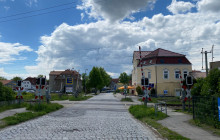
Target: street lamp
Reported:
[(85, 81)]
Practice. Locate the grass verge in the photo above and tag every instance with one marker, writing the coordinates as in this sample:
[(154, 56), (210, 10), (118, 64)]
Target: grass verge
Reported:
[(205, 127), (80, 97), (147, 115), (38, 110), (126, 100), (12, 106)]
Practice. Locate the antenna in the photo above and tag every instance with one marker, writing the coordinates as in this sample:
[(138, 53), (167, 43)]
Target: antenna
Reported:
[(202, 58), (212, 51)]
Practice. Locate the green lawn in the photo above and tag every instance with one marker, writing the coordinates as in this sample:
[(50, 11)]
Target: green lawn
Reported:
[(147, 115), (126, 100), (36, 110), (12, 106), (80, 97)]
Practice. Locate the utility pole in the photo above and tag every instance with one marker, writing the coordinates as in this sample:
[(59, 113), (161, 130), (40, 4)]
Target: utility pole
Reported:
[(206, 61)]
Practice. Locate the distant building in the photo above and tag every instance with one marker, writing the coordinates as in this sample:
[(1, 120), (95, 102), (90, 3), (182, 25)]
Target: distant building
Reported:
[(29, 83), (214, 65), (9, 83), (114, 84), (163, 68), (198, 74), (57, 80)]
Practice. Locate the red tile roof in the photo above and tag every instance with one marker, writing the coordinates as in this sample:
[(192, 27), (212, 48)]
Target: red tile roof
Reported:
[(115, 80), (198, 74), (4, 82), (162, 53), (31, 79), (136, 54), (56, 72)]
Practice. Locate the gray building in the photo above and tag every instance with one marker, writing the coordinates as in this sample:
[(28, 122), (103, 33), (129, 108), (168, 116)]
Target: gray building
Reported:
[(214, 65), (59, 80)]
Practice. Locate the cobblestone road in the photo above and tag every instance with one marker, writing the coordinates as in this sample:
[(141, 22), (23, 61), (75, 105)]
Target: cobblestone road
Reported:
[(101, 117)]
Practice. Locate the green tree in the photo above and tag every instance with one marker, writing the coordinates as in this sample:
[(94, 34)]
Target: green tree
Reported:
[(139, 90), (84, 80), (40, 75), (95, 79), (124, 78), (2, 78), (105, 76), (6, 93), (197, 87), (16, 78)]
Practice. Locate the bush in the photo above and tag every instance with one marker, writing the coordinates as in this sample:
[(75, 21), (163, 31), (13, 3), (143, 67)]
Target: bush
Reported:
[(6, 93), (139, 90), (24, 93)]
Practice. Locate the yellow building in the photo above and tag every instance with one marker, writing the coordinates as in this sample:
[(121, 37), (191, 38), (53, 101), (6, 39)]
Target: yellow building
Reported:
[(163, 68)]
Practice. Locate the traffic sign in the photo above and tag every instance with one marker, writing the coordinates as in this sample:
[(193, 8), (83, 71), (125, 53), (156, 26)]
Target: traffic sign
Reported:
[(69, 81)]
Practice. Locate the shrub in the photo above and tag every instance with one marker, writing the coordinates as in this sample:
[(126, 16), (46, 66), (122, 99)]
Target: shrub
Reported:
[(6, 93), (139, 90)]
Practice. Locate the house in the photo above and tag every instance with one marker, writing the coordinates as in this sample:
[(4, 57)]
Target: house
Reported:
[(198, 74), (163, 68), (58, 80), (214, 65), (9, 83), (114, 84), (29, 83)]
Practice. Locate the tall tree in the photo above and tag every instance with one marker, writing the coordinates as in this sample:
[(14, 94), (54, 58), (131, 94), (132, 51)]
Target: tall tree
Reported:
[(2, 78), (16, 78), (95, 79), (124, 78), (105, 76), (40, 75)]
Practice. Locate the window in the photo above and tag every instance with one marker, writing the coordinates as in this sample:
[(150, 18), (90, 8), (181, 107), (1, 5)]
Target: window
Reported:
[(185, 73), (149, 75), (177, 74), (165, 74), (162, 61)]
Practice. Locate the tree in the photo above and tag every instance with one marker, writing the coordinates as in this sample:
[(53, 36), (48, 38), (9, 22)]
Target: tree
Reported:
[(84, 79), (95, 79), (6, 93), (40, 76), (124, 78), (16, 78), (105, 76), (2, 78)]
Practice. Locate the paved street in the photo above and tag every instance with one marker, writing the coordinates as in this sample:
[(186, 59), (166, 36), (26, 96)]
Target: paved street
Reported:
[(101, 117)]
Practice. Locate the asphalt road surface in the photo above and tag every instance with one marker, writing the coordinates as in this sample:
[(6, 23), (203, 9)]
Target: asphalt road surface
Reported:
[(101, 117)]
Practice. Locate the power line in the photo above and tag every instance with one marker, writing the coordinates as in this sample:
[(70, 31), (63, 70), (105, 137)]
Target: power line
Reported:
[(37, 10)]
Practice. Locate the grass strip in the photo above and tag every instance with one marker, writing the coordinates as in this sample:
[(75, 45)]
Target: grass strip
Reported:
[(38, 110), (206, 127), (58, 97), (79, 98), (147, 115), (12, 106), (126, 100)]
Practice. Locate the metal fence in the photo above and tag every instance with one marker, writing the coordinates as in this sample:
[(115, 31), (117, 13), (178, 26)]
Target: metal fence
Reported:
[(205, 109)]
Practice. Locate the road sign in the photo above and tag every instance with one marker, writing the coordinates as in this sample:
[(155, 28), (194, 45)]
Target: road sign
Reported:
[(69, 81), (219, 108)]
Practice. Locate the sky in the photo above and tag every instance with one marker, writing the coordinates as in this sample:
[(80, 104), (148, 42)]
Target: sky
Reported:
[(38, 36)]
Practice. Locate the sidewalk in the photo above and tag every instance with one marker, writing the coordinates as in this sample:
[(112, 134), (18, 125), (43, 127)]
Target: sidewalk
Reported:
[(177, 122)]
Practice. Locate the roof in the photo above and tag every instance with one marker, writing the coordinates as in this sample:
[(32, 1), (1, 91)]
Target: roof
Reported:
[(163, 53), (56, 72), (198, 74), (115, 80), (136, 54), (4, 82)]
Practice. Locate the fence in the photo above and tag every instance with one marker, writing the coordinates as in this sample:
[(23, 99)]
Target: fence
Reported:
[(205, 109), (161, 106)]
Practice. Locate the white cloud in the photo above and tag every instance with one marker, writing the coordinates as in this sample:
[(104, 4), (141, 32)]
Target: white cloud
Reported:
[(177, 7), (209, 5), (112, 45), (114, 10), (6, 8), (10, 51)]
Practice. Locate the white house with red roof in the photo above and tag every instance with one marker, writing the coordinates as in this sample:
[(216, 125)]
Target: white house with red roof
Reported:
[(163, 69)]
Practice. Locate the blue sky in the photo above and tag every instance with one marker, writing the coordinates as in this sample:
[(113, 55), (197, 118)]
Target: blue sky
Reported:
[(82, 34)]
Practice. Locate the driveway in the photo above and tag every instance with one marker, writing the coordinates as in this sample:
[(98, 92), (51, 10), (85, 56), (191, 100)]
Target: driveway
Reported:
[(101, 117)]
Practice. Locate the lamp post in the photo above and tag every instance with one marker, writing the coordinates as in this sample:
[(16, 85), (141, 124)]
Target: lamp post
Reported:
[(85, 81)]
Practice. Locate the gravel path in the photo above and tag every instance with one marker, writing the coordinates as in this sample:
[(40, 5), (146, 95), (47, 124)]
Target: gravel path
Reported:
[(101, 117)]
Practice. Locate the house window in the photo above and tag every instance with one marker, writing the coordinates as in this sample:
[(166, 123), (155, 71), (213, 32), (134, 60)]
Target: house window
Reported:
[(177, 74), (185, 73), (149, 75), (166, 74)]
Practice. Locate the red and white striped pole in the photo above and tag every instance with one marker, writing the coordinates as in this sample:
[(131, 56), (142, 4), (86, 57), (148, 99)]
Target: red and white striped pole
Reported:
[(146, 95)]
